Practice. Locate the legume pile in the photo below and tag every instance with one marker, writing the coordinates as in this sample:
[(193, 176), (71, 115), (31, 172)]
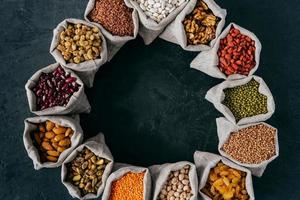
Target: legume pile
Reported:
[(236, 53), (79, 43), (51, 140), (226, 183), (200, 26), (130, 186), (245, 100), (159, 9), (55, 89), (86, 171), (114, 16), (251, 145)]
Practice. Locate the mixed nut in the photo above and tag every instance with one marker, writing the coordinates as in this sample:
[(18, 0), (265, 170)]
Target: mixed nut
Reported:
[(236, 53), (79, 43), (86, 171), (251, 145), (245, 100), (200, 26), (51, 139), (54, 89), (226, 183), (114, 16), (159, 9), (178, 186)]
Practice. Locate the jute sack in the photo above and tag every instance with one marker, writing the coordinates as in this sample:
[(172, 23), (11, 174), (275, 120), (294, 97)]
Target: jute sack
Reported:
[(32, 151), (225, 128), (120, 170), (205, 161), (85, 70), (114, 42), (175, 32), (78, 103), (216, 96), (99, 148), (160, 174), (150, 29), (208, 61)]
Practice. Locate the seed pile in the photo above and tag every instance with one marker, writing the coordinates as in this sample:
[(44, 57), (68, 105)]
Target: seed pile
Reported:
[(54, 89), (236, 53), (114, 16), (51, 140), (177, 186), (130, 186), (226, 183), (200, 26), (245, 100), (79, 43), (159, 9), (86, 171), (251, 145)]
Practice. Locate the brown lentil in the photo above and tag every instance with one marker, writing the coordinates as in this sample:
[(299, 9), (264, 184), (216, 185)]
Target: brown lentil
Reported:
[(128, 187), (200, 26), (226, 183), (86, 171), (251, 145), (114, 16), (245, 100)]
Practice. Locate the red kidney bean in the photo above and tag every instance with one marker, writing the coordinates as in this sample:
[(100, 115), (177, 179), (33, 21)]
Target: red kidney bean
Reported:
[(55, 89), (236, 53)]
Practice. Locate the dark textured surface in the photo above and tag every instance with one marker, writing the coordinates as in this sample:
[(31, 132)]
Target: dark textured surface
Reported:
[(147, 101)]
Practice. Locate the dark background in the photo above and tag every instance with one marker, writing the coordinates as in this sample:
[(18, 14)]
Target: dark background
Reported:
[(147, 100)]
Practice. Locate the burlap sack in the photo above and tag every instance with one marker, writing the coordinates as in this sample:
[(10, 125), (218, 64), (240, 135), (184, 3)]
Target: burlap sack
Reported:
[(120, 170), (208, 61), (32, 151), (85, 70), (204, 161), (160, 174), (114, 43), (98, 147), (78, 103), (225, 128), (216, 95), (150, 29), (175, 32)]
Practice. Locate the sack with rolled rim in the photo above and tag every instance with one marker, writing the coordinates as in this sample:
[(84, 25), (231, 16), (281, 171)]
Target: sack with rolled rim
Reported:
[(85, 70), (119, 170), (114, 42), (32, 151), (175, 32), (150, 29), (205, 161), (97, 145), (216, 96), (225, 128), (208, 61), (160, 174), (78, 102)]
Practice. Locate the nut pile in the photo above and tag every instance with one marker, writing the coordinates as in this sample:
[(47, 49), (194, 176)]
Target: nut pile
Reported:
[(79, 43), (51, 140), (236, 53), (114, 16), (130, 186), (159, 9), (251, 145), (200, 26), (226, 183), (177, 186), (86, 171), (245, 100), (54, 89)]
